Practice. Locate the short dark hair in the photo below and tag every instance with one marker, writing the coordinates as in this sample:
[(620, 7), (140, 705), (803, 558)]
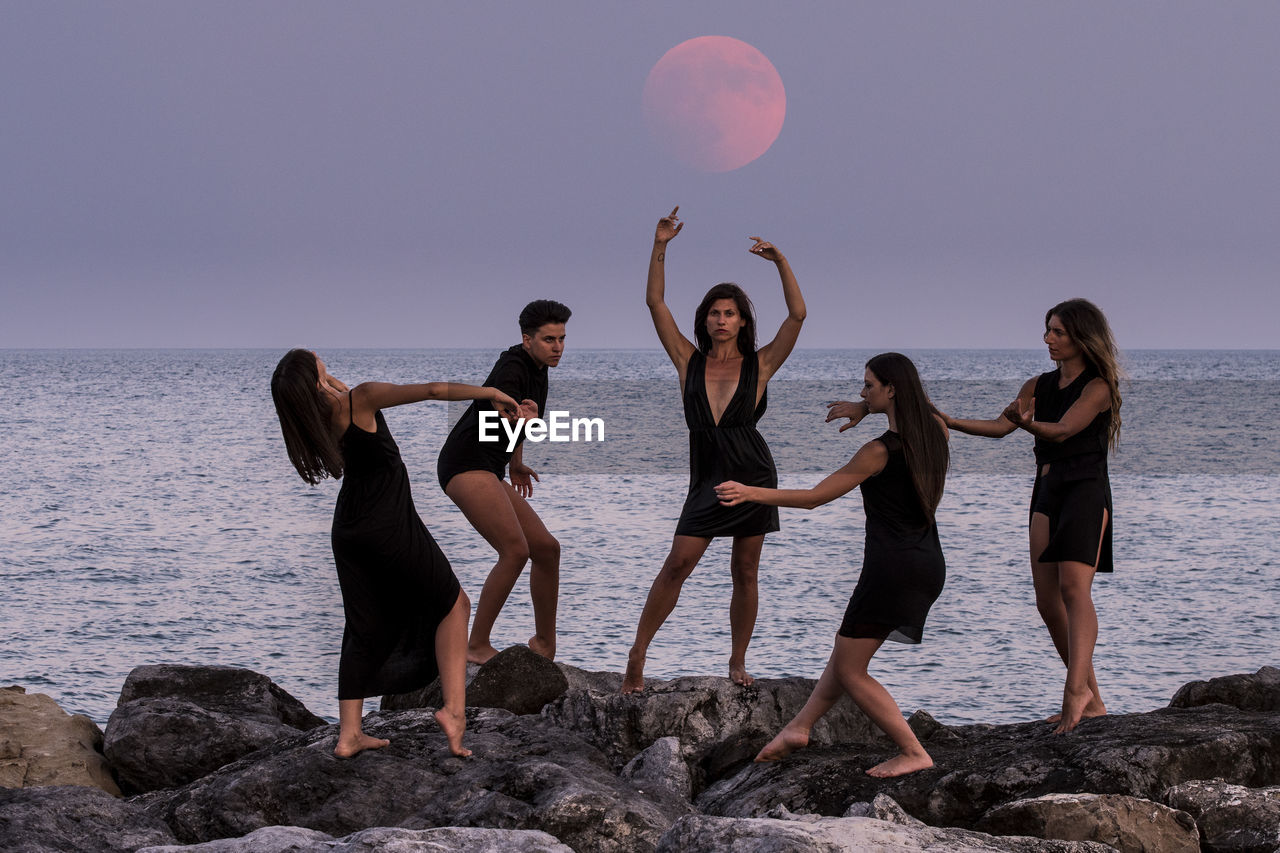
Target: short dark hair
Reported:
[(746, 335), (540, 312)]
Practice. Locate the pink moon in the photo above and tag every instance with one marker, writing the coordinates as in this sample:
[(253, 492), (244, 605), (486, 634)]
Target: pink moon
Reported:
[(714, 103)]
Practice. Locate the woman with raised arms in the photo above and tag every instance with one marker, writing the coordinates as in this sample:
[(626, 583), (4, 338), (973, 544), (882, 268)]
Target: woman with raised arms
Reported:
[(723, 382), (902, 474), (406, 615)]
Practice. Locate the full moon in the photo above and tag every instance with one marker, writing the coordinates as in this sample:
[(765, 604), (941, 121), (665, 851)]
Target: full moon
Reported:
[(714, 103)]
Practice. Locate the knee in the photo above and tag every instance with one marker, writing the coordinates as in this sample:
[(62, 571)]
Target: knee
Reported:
[(744, 573), (545, 550), (514, 551), (676, 569), (1076, 596)]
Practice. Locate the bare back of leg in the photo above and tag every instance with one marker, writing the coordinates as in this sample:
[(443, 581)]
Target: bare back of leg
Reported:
[(685, 553)]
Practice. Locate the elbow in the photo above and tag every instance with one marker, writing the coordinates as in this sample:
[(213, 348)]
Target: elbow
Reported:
[(799, 316)]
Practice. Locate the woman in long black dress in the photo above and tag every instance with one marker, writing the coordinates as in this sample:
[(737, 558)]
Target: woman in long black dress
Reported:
[(902, 474), (723, 382), (406, 615), (1074, 414)]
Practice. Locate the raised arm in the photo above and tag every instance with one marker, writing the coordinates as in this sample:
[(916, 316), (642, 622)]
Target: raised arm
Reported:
[(1094, 400), (774, 353), (1001, 425), (867, 462), (677, 345)]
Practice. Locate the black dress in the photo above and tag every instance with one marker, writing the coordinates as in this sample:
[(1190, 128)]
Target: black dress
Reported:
[(396, 584), (518, 376), (733, 449), (902, 566), (1076, 489)]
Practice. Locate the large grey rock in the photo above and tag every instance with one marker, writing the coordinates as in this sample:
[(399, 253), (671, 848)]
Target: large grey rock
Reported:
[(516, 679), (296, 839), (526, 774), (883, 807), (1257, 692), (75, 819), (1139, 754), (41, 744), (1129, 824), (661, 766), (1231, 818), (175, 723), (700, 833)]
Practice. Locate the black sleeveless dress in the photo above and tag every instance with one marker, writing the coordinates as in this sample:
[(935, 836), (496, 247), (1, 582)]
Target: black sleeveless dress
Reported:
[(396, 584), (1076, 489), (903, 570), (731, 450)]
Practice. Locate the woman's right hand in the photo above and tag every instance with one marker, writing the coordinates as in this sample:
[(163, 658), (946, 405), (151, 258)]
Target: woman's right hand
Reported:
[(668, 227), (855, 412), (504, 403)]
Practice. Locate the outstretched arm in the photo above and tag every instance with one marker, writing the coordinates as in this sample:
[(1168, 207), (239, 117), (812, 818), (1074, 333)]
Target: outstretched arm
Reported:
[(677, 345), (369, 397), (1001, 425), (867, 462), (855, 412), (774, 353)]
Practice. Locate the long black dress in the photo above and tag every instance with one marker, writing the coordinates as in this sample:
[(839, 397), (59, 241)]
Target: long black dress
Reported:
[(733, 449), (397, 586), (902, 565)]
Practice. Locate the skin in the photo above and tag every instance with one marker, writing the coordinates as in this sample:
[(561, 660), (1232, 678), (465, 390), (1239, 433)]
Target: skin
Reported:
[(500, 512), (846, 670), (1063, 589), (359, 407), (724, 366)]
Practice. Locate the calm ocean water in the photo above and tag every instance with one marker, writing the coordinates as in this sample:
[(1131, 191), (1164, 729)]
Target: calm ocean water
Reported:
[(151, 515)]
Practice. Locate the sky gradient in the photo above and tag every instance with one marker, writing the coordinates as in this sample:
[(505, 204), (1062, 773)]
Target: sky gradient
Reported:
[(409, 174)]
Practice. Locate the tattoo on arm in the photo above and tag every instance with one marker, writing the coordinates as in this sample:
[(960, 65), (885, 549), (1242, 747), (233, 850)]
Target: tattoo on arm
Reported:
[(662, 256)]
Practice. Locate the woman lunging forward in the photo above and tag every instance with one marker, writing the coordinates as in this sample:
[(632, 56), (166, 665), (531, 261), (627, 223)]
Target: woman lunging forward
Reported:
[(406, 615), (902, 474)]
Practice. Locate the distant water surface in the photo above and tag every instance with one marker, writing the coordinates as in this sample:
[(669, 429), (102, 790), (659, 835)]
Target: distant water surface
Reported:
[(151, 515)]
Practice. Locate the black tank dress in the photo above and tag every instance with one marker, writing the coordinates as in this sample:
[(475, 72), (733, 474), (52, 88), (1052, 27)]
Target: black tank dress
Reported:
[(902, 566), (731, 450), (1076, 489), (396, 584)]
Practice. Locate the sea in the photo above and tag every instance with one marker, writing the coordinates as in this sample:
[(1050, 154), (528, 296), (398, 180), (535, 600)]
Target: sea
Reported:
[(150, 515)]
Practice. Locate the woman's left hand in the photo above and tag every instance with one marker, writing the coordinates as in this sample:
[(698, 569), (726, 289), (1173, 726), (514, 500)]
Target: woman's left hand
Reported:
[(731, 493), (766, 250), (1017, 415)]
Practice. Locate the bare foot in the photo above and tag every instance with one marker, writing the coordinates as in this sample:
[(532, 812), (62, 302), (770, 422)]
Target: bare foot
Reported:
[(1073, 705), (358, 743), (783, 744), (633, 681), (1095, 708), (738, 674), (542, 647), (901, 765), (453, 725), (480, 653)]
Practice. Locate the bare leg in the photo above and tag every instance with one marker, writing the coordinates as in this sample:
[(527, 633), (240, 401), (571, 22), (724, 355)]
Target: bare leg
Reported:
[(1076, 580), (850, 660), (484, 500), (686, 551), (544, 574), (795, 734), (451, 658), (351, 737), (744, 566)]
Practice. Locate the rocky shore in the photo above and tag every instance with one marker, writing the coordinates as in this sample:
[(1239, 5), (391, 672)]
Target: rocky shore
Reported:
[(221, 759)]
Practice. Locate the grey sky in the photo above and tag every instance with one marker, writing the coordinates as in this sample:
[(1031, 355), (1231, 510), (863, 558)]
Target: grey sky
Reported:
[(410, 174)]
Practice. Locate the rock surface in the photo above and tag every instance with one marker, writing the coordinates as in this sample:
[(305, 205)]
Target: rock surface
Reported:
[(41, 744), (1231, 818), (174, 724), (516, 679), (75, 819), (1129, 824), (1257, 692), (296, 839)]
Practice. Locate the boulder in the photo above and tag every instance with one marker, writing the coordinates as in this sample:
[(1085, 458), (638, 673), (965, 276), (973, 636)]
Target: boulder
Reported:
[(661, 767), (41, 744), (174, 724), (526, 774), (75, 819), (1129, 824), (516, 679), (1257, 692), (1231, 818), (296, 839), (883, 808), (697, 833)]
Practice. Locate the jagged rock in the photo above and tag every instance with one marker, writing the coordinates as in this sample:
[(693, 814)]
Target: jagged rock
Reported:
[(1138, 754), (883, 808), (1129, 824), (1231, 818), (41, 744), (516, 679), (75, 819), (175, 723), (661, 766), (296, 839), (1257, 692), (698, 833), (928, 730), (526, 774)]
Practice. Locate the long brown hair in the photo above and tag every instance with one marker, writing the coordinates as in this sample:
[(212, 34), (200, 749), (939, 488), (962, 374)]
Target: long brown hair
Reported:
[(746, 335), (924, 442), (305, 417), (1085, 324)]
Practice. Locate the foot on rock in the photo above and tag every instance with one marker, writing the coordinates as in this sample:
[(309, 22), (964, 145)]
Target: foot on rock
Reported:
[(783, 744), (738, 675), (480, 653), (543, 647), (356, 744), (1073, 705), (900, 765), (453, 725), (633, 681)]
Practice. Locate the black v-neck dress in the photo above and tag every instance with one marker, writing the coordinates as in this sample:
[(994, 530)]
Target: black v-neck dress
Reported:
[(733, 449)]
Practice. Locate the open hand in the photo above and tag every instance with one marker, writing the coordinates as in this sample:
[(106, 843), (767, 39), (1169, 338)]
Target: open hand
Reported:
[(1017, 415), (855, 412), (522, 477), (506, 406), (668, 226), (731, 493), (527, 409)]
